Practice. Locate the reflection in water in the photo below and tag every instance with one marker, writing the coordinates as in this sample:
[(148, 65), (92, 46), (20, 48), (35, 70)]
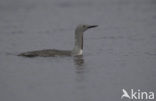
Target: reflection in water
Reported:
[(80, 68), (79, 61), (80, 79)]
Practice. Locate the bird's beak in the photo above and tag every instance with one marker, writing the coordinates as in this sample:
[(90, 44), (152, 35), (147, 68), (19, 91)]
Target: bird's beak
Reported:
[(92, 26)]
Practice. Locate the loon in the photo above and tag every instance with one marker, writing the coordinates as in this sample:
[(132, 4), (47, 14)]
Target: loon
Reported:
[(77, 50)]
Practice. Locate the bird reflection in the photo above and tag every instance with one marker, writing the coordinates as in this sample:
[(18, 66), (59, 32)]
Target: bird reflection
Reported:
[(80, 68), (78, 60)]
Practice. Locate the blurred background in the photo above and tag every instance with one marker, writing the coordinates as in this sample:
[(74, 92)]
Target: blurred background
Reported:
[(120, 53)]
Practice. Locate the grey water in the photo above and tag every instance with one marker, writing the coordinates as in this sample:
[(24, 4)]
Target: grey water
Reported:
[(119, 54)]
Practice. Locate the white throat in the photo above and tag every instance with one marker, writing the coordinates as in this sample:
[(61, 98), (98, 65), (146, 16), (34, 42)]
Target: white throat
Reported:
[(78, 48), (80, 52)]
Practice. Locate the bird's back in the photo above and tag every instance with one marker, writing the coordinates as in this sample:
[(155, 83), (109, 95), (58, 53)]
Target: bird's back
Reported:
[(46, 53)]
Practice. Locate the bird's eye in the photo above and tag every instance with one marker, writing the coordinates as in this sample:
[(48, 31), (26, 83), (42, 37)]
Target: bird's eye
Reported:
[(83, 26)]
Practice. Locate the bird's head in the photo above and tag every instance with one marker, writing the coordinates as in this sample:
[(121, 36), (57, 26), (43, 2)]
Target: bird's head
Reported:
[(83, 28)]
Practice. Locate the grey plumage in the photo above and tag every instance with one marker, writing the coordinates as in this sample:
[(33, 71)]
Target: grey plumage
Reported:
[(46, 53), (77, 50)]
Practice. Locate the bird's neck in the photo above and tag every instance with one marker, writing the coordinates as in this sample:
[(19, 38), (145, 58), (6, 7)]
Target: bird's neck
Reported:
[(78, 47)]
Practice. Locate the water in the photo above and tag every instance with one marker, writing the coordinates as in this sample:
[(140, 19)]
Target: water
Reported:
[(120, 53)]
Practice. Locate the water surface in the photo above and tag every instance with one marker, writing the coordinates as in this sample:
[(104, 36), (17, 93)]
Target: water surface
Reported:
[(120, 53)]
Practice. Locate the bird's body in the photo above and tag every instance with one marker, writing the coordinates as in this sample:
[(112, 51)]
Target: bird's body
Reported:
[(77, 50), (47, 53)]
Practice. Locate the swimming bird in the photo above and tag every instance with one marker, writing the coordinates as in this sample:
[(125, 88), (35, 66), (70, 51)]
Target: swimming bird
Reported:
[(77, 50)]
